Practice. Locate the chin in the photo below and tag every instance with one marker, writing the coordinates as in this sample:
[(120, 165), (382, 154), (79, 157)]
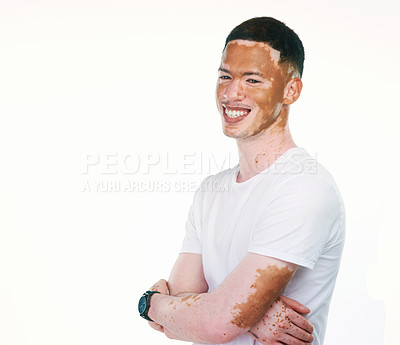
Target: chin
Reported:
[(236, 133), (229, 134)]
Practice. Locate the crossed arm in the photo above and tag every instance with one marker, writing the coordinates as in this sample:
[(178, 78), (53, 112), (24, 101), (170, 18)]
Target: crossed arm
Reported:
[(237, 306)]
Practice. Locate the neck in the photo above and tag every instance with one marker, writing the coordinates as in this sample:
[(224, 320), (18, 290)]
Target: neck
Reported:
[(259, 152)]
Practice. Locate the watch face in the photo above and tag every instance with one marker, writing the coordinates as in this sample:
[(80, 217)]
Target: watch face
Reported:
[(142, 304)]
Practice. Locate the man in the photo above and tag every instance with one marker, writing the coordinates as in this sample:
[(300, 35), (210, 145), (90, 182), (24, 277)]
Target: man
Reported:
[(278, 226)]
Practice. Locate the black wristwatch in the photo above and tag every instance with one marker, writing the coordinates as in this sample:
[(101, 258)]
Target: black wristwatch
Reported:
[(144, 304)]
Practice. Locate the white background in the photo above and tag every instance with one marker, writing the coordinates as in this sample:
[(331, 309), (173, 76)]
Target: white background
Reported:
[(80, 80)]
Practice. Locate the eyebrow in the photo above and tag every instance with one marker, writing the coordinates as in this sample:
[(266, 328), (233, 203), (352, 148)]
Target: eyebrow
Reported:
[(245, 73)]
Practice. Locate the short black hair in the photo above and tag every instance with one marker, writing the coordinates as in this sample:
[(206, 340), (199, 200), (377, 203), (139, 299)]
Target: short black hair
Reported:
[(276, 34)]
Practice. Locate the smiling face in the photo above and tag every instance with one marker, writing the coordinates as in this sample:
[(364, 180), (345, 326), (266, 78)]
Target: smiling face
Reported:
[(251, 88)]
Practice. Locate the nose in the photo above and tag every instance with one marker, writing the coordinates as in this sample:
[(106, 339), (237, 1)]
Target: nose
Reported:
[(234, 91)]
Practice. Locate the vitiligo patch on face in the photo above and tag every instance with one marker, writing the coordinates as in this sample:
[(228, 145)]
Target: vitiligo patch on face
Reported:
[(275, 54), (267, 287), (256, 80)]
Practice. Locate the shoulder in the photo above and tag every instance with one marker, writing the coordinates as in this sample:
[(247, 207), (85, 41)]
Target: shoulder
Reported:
[(300, 173), (309, 191), (309, 188), (212, 185), (218, 182)]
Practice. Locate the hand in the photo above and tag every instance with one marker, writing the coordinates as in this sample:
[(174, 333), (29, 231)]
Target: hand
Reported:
[(162, 287), (283, 324)]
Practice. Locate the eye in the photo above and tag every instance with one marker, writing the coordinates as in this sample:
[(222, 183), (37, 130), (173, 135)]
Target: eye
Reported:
[(253, 81), (224, 77)]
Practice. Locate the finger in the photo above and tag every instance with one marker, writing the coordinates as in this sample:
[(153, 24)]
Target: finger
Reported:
[(253, 335), (161, 286), (299, 333), (263, 340), (156, 326), (170, 335), (300, 321), (289, 340), (296, 306), (160, 283)]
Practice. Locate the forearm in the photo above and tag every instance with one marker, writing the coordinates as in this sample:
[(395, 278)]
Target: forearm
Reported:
[(195, 318), (177, 290), (168, 333), (229, 311)]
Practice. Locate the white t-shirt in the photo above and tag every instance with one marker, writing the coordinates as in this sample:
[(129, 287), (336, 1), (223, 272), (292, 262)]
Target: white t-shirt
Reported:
[(292, 211)]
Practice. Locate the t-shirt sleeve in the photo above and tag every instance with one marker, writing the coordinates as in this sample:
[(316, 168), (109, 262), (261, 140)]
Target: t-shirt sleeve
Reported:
[(295, 222), (192, 240)]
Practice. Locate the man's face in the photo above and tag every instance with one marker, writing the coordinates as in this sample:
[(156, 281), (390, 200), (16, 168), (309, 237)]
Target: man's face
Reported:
[(250, 88)]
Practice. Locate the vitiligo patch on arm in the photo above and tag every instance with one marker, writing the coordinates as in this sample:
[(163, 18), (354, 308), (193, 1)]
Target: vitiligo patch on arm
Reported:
[(269, 283)]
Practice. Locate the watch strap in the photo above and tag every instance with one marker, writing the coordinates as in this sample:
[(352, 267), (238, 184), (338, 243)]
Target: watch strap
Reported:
[(148, 295)]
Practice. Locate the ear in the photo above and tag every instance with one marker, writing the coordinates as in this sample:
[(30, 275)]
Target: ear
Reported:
[(292, 91)]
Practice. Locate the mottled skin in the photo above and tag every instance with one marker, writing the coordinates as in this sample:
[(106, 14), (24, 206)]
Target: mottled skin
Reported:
[(264, 134), (247, 314), (261, 91), (253, 82), (227, 312), (283, 324)]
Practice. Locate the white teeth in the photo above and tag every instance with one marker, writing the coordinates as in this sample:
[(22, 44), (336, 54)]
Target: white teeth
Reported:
[(234, 113)]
